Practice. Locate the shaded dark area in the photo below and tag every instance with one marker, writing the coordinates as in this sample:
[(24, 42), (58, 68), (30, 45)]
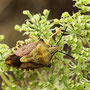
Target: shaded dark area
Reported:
[(11, 14)]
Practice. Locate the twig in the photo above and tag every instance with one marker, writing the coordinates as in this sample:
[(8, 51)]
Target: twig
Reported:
[(5, 79)]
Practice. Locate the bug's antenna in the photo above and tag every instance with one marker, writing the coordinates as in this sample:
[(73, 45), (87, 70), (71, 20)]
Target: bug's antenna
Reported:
[(73, 59), (61, 36)]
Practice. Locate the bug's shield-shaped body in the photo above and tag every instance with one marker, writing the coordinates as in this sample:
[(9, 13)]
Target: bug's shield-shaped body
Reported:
[(32, 56)]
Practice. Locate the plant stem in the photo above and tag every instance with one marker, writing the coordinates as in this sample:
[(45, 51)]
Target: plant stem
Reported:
[(5, 79), (40, 76)]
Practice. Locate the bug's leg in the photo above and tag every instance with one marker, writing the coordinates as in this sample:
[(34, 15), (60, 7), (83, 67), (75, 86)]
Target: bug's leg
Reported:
[(19, 44), (54, 34)]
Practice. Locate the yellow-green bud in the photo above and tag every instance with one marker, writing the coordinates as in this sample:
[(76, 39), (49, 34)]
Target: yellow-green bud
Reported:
[(26, 12), (46, 12), (17, 27), (56, 21)]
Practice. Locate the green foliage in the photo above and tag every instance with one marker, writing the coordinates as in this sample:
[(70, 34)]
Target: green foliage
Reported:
[(37, 25), (82, 4), (4, 52), (64, 74)]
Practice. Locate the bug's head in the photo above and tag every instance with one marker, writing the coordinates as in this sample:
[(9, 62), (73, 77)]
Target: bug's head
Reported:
[(53, 49), (50, 49)]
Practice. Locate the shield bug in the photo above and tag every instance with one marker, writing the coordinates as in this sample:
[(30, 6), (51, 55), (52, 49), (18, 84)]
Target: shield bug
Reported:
[(34, 55)]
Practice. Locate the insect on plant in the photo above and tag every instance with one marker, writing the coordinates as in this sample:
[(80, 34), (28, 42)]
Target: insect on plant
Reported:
[(34, 54), (62, 46)]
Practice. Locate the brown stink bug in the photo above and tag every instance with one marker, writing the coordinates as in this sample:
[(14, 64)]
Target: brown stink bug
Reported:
[(33, 55)]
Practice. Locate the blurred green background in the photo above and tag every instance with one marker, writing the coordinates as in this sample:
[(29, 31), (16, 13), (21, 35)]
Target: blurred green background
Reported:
[(11, 14)]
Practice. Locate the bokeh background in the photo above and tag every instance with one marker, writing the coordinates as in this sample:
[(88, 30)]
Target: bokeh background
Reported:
[(11, 14)]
